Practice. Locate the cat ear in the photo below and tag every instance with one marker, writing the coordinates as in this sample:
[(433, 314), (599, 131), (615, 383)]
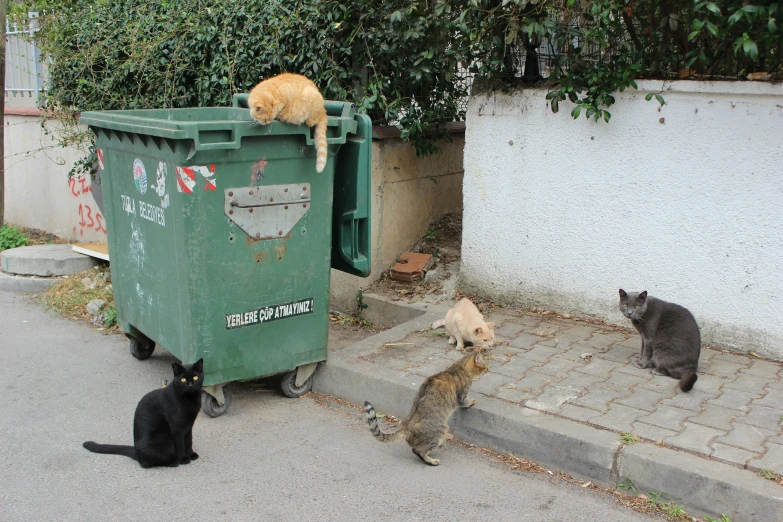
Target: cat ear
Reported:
[(490, 326), (478, 358), (623, 293), (478, 330), (643, 295), (198, 366), (178, 368)]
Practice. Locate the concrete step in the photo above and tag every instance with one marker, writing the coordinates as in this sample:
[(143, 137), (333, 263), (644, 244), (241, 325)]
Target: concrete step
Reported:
[(25, 284), (44, 261)]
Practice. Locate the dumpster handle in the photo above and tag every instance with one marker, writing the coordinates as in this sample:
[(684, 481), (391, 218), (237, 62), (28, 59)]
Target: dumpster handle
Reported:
[(233, 203)]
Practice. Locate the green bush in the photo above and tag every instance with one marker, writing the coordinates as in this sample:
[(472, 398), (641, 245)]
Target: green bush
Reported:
[(11, 237), (402, 62), (391, 58), (605, 44)]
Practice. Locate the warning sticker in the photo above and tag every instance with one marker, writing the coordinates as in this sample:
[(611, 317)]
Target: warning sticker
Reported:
[(270, 313), (186, 182)]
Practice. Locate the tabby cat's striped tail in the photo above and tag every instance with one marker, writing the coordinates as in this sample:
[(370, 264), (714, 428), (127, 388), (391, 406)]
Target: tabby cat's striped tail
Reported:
[(386, 438), (321, 149)]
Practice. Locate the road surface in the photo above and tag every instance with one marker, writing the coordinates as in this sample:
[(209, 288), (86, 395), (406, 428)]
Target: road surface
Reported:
[(269, 458)]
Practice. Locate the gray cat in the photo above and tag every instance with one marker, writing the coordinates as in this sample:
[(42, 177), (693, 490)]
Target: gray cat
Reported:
[(671, 342)]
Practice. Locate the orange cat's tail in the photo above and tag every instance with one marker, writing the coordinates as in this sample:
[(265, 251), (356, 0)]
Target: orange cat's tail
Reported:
[(386, 438), (320, 145)]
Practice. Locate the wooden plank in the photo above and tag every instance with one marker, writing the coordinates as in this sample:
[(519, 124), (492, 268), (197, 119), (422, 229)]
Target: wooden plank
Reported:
[(98, 250)]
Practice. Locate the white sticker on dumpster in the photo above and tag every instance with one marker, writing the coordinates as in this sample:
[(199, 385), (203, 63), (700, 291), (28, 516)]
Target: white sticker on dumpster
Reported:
[(265, 314)]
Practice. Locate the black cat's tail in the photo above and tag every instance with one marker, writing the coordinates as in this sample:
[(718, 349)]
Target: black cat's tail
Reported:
[(110, 449), (386, 438), (687, 381)]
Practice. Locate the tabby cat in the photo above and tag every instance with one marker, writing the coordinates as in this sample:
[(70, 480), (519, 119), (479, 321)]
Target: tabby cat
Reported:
[(292, 98), (163, 424), (671, 341), (427, 426), (464, 323)]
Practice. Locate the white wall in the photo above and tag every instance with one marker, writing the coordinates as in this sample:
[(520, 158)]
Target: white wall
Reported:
[(38, 193), (685, 201)]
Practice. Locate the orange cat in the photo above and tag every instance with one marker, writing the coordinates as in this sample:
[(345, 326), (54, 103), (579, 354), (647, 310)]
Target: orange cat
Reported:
[(292, 98), (463, 323)]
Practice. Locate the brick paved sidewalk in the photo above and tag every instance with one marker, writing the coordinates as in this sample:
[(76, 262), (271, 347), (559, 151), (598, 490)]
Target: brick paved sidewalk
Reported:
[(582, 372)]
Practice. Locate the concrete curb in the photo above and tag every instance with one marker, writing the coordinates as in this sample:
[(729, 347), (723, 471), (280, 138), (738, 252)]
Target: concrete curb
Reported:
[(702, 485), (12, 283), (44, 261)]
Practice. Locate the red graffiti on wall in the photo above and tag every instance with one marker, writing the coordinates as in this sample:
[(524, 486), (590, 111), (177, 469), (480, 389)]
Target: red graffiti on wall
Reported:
[(88, 219)]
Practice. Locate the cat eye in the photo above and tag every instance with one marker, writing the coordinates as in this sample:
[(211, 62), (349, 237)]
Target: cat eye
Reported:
[(195, 377), (184, 380)]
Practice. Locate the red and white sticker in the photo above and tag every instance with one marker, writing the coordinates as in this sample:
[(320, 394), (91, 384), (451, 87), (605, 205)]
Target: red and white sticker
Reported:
[(99, 153), (186, 179)]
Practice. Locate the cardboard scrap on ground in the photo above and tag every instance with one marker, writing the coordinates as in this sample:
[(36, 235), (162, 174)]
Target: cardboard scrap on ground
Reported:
[(411, 266)]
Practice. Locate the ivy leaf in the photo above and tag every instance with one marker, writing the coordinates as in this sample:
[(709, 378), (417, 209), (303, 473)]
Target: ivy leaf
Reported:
[(713, 7), (733, 19), (396, 16), (772, 26), (576, 112), (750, 48)]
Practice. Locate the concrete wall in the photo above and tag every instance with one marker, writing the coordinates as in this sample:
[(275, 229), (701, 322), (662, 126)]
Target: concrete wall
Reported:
[(38, 193), (682, 200), (408, 194)]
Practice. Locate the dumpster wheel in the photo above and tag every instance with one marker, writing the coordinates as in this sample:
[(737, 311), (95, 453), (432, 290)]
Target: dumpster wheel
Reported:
[(141, 349), (210, 405), (289, 387)]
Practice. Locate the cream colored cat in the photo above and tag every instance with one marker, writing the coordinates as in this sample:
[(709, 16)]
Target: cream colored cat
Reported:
[(292, 98), (463, 323)]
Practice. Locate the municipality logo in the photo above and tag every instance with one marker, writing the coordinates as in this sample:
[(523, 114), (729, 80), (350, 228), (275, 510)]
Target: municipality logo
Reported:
[(140, 176)]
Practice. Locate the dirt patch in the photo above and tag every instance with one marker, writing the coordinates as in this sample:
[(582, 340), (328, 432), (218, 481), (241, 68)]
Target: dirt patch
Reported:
[(443, 240), (41, 237), (345, 330), (70, 297)]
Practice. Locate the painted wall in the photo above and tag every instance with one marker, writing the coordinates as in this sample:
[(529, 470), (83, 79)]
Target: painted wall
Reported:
[(38, 193), (682, 200), (408, 194)]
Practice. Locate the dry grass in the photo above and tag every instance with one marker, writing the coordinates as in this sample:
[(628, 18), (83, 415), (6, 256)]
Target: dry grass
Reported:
[(546, 334), (70, 297), (770, 474)]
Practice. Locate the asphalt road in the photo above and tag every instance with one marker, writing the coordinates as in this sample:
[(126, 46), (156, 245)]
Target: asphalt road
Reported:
[(268, 459)]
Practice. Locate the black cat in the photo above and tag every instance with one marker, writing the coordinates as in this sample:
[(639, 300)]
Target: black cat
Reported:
[(671, 341), (163, 424)]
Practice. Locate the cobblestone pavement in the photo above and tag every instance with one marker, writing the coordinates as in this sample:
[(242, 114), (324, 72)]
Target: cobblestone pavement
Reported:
[(582, 372)]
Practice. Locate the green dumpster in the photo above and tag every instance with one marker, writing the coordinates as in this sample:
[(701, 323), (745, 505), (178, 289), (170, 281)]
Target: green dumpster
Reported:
[(221, 236)]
